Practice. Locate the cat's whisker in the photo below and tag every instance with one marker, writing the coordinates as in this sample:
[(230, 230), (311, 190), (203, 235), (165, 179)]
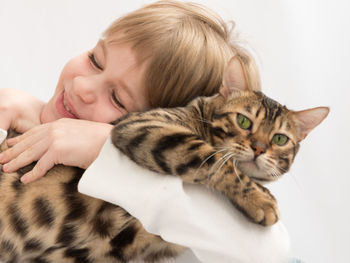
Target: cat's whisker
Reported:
[(210, 156), (275, 172), (282, 169), (296, 181), (269, 160), (225, 158), (272, 172), (291, 174), (234, 168), (210, 172), (206, 159), (218, 163)]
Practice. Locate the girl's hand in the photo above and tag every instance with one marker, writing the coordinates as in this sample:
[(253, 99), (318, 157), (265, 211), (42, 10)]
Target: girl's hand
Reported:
[(19, 110), (65, 141)]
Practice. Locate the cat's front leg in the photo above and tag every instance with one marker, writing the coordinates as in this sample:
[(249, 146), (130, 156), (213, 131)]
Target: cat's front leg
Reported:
[(254, 200), (170, 148)]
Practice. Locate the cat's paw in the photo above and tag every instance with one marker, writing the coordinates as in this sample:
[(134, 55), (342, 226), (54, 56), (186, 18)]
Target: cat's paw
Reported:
[(263, 209), (259, 205)]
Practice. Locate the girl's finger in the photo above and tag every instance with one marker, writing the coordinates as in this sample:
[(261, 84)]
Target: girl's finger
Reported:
[(12, 141), (22, 146), (40, 169), (38, 130), (26, 157)]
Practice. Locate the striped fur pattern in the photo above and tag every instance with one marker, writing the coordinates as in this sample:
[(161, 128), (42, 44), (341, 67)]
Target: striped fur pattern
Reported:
[(225, 142)]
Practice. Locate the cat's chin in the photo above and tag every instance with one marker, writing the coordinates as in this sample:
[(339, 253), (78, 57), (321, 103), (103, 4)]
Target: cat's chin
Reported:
[(252, 169)]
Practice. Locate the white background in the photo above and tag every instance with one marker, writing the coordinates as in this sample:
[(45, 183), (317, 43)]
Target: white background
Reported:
[(303, 51)]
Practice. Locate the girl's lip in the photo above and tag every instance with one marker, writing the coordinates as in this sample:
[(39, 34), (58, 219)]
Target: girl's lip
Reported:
[(70, 106), (62, 110)]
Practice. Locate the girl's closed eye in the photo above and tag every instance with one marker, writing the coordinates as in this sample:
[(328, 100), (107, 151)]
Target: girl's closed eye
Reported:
[(94, 61), (117, 101)]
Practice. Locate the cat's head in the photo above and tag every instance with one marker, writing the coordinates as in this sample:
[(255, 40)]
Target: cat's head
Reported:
[(261, 135)]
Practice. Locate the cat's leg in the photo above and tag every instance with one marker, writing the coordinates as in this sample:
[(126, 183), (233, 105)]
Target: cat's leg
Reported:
[(254, 200), (215, 169), (169, 148)]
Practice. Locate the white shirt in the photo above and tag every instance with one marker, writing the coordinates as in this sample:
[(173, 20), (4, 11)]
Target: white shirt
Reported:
[(185, 214)]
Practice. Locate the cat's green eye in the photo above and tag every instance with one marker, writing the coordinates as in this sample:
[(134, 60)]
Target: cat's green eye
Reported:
[(244, 122), (280, 139)]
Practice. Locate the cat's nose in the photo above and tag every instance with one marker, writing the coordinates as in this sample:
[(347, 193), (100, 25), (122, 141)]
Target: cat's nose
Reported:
[(258, 149)]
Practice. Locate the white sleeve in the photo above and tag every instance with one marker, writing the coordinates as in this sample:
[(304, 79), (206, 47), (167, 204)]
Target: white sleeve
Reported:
[(3, 135), (188, 215)]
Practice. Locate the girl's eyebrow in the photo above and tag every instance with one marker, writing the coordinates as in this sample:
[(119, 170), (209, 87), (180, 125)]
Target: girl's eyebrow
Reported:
[(102, 43)]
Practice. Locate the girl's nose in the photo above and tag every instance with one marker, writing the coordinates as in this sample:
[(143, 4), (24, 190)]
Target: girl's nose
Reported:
[(85, 88)]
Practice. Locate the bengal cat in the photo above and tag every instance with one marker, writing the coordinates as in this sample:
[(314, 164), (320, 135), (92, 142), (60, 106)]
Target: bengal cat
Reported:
[(231, 142)]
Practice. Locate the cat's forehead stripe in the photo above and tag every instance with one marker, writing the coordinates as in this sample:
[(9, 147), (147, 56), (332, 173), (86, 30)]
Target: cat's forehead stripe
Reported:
[(272, 108), (257, 112), (288, 126), (280, 124), (248, 108)]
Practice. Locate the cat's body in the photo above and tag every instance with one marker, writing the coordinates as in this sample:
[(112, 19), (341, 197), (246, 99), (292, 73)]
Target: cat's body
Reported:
[(228, 142), (49, 221)]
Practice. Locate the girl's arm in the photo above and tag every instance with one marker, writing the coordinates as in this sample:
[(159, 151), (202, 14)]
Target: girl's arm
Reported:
[(184, 214)]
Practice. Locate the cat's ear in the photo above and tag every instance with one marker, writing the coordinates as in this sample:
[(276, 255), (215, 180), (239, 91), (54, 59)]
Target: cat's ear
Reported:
[(307, 120), (233, 78)]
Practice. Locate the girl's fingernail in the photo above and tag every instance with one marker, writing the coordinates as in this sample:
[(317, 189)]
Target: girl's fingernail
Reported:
[(11, 141), (1, 157), (24, 179), (6, 168)]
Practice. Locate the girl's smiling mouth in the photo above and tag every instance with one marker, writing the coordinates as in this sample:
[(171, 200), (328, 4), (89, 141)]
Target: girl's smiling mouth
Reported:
[(64, 108)]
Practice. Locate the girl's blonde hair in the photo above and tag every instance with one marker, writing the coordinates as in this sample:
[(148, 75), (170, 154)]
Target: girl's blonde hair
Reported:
[(186, 47)]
